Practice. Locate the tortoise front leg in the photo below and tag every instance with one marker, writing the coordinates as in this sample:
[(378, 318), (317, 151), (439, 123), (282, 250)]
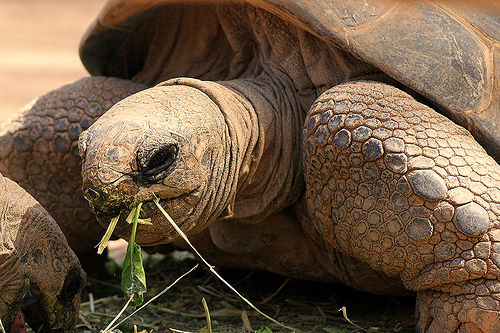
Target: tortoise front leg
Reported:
[(39, 151), (396, 185)]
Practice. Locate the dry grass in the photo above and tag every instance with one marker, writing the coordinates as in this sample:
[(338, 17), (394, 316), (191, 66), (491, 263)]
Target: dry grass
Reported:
[(307, 306)]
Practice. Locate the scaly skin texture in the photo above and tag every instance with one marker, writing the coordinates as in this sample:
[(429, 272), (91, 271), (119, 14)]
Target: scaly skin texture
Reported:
[(38, 150), (394, 184), (39, 273), (398, 198)]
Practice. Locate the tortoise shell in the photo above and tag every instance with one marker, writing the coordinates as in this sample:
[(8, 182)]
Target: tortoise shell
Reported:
[(448, 53)]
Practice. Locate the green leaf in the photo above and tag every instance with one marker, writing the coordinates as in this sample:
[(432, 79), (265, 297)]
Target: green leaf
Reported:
[(264, 329), (133, 276)]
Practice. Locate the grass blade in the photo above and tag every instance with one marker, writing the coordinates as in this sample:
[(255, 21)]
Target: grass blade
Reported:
[(107, 235), (212, 268), (108, 328), (207, 314), (344, 313)]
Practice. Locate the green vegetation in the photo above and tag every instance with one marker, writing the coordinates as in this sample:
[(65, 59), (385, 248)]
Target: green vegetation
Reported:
[(303, 306)]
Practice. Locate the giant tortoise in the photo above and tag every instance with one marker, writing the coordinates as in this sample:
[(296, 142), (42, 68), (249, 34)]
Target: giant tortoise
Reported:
[(40, 276), (347, 141)]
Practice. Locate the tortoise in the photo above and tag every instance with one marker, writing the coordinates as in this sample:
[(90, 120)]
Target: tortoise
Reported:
[(344, 141), (40, 277)]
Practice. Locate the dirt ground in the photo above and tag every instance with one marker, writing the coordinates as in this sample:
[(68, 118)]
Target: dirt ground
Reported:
[(39, 47)]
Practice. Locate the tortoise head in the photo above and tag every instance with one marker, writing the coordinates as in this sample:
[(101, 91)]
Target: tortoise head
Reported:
[(169, 142), (40, 276)]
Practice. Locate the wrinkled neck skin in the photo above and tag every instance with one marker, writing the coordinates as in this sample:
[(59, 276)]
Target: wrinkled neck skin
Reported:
[(264, 121), (236, 155)]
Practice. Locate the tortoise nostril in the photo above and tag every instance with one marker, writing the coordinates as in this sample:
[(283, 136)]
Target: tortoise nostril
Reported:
[(82, 143), (72, 285), (159, 162)]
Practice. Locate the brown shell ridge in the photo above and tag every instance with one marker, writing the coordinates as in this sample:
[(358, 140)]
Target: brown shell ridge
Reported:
[(392, 43), (442, 51), (101, 48), (312, 16), (472, 79), (486, 32), (484, 125)]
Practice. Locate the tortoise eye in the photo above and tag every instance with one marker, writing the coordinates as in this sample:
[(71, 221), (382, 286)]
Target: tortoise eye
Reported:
[(159, 162)]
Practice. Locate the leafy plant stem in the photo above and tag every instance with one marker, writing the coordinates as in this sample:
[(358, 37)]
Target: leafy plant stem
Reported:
[(133, 275), (134, 225), (149, 301)]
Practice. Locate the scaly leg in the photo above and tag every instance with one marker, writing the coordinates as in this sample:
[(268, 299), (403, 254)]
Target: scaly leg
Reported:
[(396, 185), (39, 151)]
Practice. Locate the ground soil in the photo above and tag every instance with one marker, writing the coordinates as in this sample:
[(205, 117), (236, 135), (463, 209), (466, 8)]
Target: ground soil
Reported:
[(39, 52), (302, 305)]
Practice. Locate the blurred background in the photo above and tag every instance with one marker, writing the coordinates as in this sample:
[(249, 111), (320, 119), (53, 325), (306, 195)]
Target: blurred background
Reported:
[(39, 47)]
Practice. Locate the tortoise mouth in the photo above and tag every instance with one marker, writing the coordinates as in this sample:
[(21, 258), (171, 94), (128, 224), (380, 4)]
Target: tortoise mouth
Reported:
[(28, 309), (31, 306), (32, 314), (108, 203), (159, 230), (39, 322), (36, 320), (148, 209)]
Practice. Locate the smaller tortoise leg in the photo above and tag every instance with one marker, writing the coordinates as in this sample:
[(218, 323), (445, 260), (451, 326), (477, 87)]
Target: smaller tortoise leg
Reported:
[(396, 185), (39, 151)]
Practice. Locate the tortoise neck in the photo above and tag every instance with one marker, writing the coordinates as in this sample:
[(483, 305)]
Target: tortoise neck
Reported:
[(264, 124), (241, 139), (270, 175)]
